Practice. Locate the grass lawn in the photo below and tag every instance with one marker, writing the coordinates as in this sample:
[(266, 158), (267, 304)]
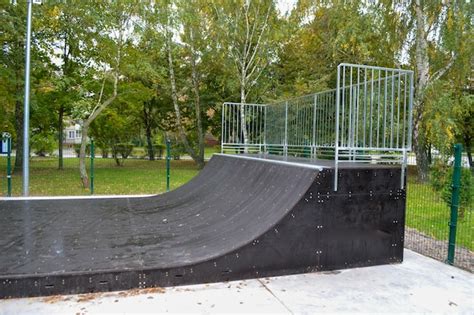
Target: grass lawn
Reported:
[(134, 177), (209, 151), (429, 214)]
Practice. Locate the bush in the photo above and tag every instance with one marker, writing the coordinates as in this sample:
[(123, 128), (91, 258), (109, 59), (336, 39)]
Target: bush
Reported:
[(77, 149), (104, 151), (441, 181), (121, 151), (466, 192), (43, 145), (177, 150), (138, 152), (159, 150)]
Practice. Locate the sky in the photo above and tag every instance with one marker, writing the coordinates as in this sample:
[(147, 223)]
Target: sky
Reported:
[(285, 6)]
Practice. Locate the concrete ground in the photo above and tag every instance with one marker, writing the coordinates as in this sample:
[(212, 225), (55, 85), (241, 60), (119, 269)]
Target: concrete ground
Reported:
[(419, 285)]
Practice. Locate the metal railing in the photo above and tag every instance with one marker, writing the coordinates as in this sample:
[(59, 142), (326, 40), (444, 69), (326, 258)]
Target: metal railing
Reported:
[(366, 118)]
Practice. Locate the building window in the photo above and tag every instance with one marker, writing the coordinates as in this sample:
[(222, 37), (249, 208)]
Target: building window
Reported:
[(78, 133), (71, 134)]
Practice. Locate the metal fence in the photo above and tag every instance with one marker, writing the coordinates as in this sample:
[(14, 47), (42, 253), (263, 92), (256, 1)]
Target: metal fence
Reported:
[(367, 118), (430, 220), (110, 171)]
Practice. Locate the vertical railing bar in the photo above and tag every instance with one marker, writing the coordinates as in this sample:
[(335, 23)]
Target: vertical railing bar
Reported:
[(315, 100), (320, 122), (404, 111), (398, 112), (233, 130), (342, 102), (371, 106), (350, 113), (326, 116), (223, 127), (378, 111), (410, 111), (254, 123), (336, 143), (248, 110), (365, 108), (392, 109), (356, 120), (265, 130)]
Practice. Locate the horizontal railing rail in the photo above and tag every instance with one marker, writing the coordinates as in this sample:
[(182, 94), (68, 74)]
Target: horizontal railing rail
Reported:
[(366, 118)]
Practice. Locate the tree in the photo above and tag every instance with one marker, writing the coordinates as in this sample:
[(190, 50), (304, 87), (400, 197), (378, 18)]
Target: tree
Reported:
[(247, 36), (113, 22), (67, 26), (429, 19), (12, 61)]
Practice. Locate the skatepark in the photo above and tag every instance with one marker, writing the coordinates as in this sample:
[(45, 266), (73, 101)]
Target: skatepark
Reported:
[(304, 194)]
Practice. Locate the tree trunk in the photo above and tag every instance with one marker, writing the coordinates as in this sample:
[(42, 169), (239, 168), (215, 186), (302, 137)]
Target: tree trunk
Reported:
[(148, 133), (243, 122), (423, 77), (85, 128), (174, 97), (19, 136), (197, 103), (82, 156), (467, 144), (60, 137)]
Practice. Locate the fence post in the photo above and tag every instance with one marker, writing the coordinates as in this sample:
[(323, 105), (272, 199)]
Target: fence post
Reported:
[(454, 202), (92, 167), (285, 148), (168, 158), (9, 167)]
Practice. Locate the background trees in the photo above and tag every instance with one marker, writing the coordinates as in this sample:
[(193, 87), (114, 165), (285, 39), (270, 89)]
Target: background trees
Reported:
[(132, 72)]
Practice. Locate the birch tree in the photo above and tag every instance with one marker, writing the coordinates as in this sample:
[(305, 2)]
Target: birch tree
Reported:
[(427, 25), (245, 32), (114, 31)]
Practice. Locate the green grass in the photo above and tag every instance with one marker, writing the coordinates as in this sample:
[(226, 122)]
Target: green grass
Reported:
[(429, 214), (134, 177), (209, 151)]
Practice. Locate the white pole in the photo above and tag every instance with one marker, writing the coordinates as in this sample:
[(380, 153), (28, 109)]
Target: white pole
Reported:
[(26, 110)]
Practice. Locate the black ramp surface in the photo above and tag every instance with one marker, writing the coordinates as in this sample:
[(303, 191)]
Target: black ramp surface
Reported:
[(238, 218)]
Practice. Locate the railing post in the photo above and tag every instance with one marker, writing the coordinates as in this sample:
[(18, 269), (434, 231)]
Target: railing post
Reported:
[(336, 142), (223, 127), (454, 202), (168, 158), (265, 130), (92, 167), (313, 146)]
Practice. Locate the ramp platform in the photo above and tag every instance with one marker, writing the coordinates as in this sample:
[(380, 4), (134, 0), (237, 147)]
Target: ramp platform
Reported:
[(239, 218)]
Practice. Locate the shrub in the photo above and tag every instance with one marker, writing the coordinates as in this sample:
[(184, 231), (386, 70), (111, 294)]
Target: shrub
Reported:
[(42, 144), (104, 151), (139, 152), (441, 180), (466, 192), (159, 150), (77, 149), (177, 150), (121, 151)]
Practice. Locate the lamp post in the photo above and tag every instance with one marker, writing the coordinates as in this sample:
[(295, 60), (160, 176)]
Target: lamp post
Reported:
[(26, 109)]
